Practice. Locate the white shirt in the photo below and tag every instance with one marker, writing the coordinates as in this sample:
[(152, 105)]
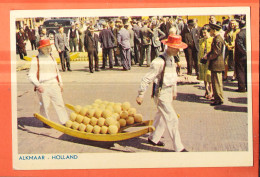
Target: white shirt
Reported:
[(170, 75), (47, 70)]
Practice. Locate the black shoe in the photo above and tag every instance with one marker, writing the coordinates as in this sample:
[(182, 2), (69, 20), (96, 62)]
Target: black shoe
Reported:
[(103, 68), (91, 71), (63, 70), (155, 144), (46, 126), (97, 70), (69, 69), (184, 150), (216, 103)]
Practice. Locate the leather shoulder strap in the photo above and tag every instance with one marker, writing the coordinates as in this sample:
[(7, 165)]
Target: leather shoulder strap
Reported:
[(38, 68), (162, 74)]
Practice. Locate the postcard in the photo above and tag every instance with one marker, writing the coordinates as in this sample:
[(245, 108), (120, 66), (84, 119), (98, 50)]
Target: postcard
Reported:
[(214, 135)]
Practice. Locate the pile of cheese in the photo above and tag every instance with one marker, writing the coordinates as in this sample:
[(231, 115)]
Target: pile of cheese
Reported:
[(103, 117)]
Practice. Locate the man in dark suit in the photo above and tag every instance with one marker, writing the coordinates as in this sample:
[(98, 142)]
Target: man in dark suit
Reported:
[(63, 48), (32, 38), (158, 35), (91, 46), (187, 37), (137, 41), (107, 39), (216, 64), (20, 43), (241, 58), (165, 27), (115, 30), (146, 35)]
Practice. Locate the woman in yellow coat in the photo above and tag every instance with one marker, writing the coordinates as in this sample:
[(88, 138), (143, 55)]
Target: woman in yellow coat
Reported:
[(204, 72)]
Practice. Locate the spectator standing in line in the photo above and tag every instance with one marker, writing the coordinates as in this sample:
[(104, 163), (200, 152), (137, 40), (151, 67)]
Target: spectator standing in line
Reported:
[(165, 27), (137, 41), (230, 37), (123, 40), (158, 35), (131, 40), (115, 30), (21, 43), (196, 34), (146, 35), (73, 35), (241, 57), (81, 35), (32, 38), (204, 72), (106, 39), (187, 37), (45, 76), (91, 46), (63, 48), (216, 63)]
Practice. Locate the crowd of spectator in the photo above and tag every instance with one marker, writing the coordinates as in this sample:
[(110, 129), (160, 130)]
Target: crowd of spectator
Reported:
[(138, 42)]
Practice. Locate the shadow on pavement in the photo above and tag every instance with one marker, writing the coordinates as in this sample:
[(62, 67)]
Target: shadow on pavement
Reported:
[(231, 108), (29, 121), (192, 98), (242, 100), (129, 145), (230, 84)]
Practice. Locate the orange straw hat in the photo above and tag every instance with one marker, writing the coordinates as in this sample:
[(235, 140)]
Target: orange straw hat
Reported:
[(175, 41), (44, 43)]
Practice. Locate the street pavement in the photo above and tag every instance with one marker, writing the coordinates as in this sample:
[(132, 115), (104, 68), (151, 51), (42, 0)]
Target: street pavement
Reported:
[(203, 128)]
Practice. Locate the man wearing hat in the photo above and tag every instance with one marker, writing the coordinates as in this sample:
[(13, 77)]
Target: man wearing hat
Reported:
[(46, 78), (216, 63), (158, 35), (91, 45), (163, 75), (63, 48), (187, 37)]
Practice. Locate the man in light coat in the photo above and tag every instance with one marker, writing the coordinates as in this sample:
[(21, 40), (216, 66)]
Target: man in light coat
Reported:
[(63, 48), (123, 39)]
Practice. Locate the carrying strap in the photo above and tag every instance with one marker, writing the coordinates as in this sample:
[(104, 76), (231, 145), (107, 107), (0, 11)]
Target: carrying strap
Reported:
[(162, 76), (38, 71)]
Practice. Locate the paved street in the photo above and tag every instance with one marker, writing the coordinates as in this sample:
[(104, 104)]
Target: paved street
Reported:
[(203, 128)]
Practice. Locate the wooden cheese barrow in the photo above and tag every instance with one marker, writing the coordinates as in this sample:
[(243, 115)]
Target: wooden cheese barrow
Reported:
[(121, 135)]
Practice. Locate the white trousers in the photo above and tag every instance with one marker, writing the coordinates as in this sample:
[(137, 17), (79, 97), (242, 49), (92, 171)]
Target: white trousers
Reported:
[(52, 93), (166, 118)]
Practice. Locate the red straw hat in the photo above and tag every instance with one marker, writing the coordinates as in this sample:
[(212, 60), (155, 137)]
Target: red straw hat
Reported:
[(44, 43), (175, 41)]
